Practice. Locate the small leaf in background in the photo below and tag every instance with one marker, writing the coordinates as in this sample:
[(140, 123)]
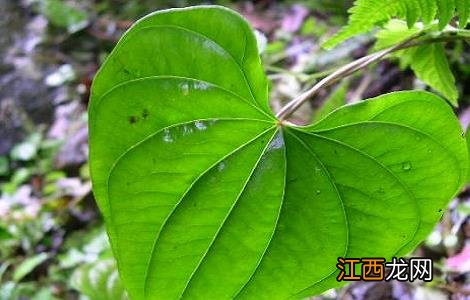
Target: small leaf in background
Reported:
[(72, 258), (99, 281), (445, 11), (54, 176), (28, 149), (12, 291), (463, 9), (28, 265), (21, 175), (3, 268), (261, 40), (7, 290), (434, 239), (63, 74), (309, 27), (366, 14), (85, 171), (464, 208), (18, 177), (44, 294), (394, 32), (85, 248), (4, 168), (24, 151), (430, 65), (335, 100), (64, 15), (274, 48), (4, 234), (428, 62)]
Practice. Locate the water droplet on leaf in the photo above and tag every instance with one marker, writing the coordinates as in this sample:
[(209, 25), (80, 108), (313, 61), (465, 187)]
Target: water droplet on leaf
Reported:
[(167, 138), (184, 89), (200, 86), (200, 125), (187, 130), (406, 166)]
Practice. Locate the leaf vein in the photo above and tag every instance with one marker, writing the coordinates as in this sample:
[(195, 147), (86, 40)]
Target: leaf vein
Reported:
[(146, 282)]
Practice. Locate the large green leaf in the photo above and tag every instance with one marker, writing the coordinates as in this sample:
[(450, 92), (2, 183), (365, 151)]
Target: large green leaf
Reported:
[(206, 195)]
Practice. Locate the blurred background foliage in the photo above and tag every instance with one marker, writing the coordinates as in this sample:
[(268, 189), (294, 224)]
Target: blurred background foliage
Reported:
[(52, 240)]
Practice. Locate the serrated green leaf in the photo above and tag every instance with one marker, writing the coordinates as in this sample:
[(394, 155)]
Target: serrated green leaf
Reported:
[(446, 11), (366, 14), (428, 61), (463, 9), (205, 195), (413, 12), (393, 33), (430, 64), (363, 16), (429, 10)]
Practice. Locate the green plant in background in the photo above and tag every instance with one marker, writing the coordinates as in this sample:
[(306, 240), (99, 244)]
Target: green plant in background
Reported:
[(99, 281), (206, 194), (428, 61), (61, 14), (426, 22), (366, 14)]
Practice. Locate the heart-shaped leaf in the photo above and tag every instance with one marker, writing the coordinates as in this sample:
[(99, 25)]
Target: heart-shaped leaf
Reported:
[(206, 195)]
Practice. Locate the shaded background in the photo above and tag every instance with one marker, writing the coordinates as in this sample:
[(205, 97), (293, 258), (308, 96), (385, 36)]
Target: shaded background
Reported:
[(52, 240)]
